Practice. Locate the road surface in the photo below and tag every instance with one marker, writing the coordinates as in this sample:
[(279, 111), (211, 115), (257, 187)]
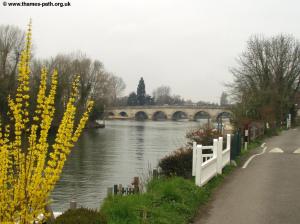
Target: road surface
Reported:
[(267, 191)]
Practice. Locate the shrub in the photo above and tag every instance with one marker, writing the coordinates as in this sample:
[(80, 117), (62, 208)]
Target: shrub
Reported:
[(203, 136), (81, 216), (178, 163)]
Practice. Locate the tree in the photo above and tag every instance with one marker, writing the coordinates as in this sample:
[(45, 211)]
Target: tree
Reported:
[(141, 92), (149, 100), (267, 78), (117, 88), (162, 95), (95, 82), (122, 101), (224, 99), (132, 99), (11, 44), (177, 100), (29, 165)]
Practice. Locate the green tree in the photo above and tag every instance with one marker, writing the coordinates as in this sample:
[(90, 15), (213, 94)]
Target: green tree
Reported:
[(132, 99), (141, 92)]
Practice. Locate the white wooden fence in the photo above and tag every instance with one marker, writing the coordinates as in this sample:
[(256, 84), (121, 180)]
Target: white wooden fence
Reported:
[(206, 166)]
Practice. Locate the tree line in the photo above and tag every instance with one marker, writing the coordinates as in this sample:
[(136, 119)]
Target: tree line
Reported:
[(95, 83), (162, 95)]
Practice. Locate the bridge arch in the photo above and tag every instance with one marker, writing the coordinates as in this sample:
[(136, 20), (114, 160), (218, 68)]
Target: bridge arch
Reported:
[(123, 114), (224, 115), (141, 116), (159, 116), (202, 116), (223, 118), (179, 115)]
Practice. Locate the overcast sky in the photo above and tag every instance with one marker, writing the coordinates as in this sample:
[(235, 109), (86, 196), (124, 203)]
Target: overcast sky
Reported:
[(186, 44)]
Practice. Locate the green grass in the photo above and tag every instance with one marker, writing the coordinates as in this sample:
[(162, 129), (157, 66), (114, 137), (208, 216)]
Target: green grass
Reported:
[(168, 200)]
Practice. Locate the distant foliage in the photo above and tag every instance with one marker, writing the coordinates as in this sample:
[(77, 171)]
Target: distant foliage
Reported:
[(81, 216), (132, 99), (162, 95), (224, 99), (96, 82), (178, 163), (205, 103)]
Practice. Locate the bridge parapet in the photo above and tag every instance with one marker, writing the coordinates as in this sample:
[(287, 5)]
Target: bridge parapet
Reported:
[(168, 107), (167, 112)]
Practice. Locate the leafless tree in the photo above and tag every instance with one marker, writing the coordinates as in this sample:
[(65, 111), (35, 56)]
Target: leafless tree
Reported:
[(117, 87), (11, 44), (95, 82), (267, 77), (162, 95), (224, 99)]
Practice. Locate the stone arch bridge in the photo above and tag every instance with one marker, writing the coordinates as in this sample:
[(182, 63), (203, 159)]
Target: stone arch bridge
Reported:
[(168, 112)]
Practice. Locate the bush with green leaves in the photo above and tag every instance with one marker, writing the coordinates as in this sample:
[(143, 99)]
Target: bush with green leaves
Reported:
[(178, 163), (81, 216)]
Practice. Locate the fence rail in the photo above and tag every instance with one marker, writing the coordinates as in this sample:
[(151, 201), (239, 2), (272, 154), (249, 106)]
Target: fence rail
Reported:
[(206, 166)]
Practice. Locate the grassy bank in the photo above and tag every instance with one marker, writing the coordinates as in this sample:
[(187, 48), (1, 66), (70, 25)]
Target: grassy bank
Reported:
[(168, 200), (171, 200)]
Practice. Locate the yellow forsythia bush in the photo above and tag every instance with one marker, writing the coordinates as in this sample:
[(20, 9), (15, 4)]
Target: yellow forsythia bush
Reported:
[(29, 165)]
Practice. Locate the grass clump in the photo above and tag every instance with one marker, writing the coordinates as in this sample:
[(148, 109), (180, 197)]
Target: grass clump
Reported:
[(81, 216)]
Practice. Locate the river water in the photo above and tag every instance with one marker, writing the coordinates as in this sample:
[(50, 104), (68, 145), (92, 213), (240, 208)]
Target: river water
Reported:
[(114, 155)]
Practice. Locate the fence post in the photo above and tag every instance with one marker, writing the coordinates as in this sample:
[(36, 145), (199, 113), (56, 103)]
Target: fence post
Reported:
[(233, 150), (73, 204), (155, 173), (228, 143), (194, 158), (219, 155), (115, 189), (215, 148), (198, 165), (239, 143), (110, 191), (246, 138)]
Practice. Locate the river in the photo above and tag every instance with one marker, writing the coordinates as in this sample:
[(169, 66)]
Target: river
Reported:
[(114, 155)]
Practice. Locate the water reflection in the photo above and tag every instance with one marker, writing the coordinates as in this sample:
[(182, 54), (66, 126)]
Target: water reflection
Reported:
[(114, 155), (140, 131)]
